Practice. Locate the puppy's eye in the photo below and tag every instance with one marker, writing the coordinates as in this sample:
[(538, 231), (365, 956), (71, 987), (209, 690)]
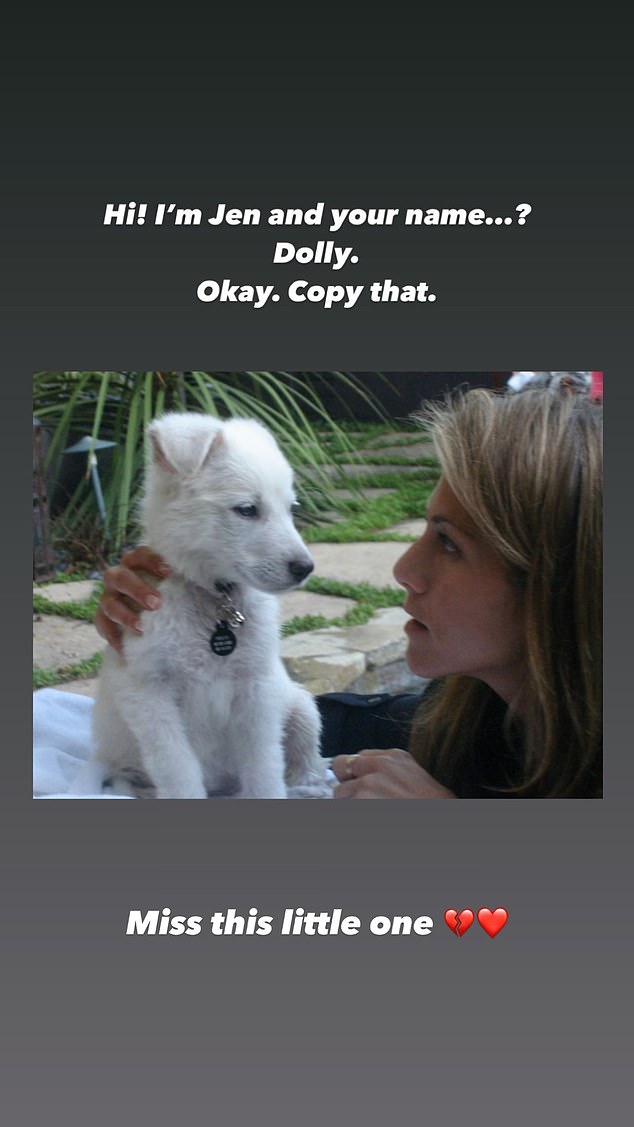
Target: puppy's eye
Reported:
[(247, 510)]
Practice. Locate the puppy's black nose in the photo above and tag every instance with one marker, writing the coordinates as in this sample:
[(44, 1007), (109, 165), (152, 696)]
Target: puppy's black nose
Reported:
[(299, 569)]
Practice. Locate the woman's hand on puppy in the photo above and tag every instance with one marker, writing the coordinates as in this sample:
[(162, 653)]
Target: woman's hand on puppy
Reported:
[(392, 773), (126, 594)]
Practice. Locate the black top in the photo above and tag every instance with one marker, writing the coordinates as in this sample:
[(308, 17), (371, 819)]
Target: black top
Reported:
[(352, 722)]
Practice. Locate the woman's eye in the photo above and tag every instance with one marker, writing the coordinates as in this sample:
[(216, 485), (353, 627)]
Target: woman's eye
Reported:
[(447, 542), (249, 511)]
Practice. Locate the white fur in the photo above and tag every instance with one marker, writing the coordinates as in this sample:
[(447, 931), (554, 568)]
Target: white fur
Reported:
[(173, 719)]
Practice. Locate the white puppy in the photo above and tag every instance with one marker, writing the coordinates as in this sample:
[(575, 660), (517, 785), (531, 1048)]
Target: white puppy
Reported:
[(201, 703)]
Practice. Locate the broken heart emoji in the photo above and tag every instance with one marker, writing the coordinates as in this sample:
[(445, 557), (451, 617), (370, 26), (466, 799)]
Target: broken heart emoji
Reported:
[(492, 922), (459, 922)]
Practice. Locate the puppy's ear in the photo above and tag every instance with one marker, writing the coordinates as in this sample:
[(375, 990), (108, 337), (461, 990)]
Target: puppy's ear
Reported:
[(180, 447), (158, 454)]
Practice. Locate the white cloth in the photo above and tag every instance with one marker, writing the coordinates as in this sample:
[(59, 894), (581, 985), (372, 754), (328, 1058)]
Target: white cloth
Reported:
[(62, 743)]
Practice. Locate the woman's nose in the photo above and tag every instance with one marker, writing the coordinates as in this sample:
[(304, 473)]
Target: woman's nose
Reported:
[(408, 569)]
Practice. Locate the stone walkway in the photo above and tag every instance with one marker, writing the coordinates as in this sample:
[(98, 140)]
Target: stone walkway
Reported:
[(366, 658)]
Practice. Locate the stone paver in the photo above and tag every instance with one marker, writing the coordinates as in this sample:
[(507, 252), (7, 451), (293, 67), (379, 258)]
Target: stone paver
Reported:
[(82, 688), (375, 443), (366, 494), (380, 640), (359, 470), (415, 451), (299, 603), (366, 562), (76, 592), (413, 528), (61, 641), (365, 659)]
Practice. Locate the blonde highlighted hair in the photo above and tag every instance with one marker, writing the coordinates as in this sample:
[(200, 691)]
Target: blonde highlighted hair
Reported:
[(528, 470)]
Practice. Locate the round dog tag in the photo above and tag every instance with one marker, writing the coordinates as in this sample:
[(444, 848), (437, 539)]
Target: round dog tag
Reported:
[(223, 640)]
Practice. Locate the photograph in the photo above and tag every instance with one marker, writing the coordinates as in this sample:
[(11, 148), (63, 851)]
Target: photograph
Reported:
[(316, 585)]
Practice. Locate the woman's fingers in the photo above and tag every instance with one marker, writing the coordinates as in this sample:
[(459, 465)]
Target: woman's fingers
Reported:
[(378, 773), (363, 763), (126, 593), (144, 559)]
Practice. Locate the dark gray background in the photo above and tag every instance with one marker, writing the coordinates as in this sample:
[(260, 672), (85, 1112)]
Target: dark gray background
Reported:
[(530, 1026)]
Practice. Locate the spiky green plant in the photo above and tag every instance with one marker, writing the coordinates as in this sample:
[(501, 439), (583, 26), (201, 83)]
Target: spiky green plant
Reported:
[(117, 406)]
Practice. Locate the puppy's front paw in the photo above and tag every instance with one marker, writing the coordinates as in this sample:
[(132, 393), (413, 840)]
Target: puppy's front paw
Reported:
[(321, 788)]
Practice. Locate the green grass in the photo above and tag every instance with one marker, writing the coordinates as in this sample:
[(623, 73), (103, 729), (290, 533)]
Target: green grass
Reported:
[(374, 460), (85, 611), (68, 577), (367, 519), (413, 440), (426, 470), (368, 599), (361, 432), (361, 592), (48, 678), (364, 436)]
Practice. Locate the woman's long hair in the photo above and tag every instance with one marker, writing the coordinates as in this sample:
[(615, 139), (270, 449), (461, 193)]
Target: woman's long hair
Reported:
[(528, 470)]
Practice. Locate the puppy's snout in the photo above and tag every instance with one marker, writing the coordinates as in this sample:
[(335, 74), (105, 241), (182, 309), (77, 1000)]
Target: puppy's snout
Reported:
[(300, 569)]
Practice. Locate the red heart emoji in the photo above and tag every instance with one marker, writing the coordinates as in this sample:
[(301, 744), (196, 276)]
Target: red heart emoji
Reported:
[(459, 922), (492, 922)]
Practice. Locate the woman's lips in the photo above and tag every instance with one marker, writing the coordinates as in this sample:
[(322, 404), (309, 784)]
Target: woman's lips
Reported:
[(413, 625)]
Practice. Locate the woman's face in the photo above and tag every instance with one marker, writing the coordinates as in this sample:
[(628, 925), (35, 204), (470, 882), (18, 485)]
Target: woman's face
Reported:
[(466, 614)]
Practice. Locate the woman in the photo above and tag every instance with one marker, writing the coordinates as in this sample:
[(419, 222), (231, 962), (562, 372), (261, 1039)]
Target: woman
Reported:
[(504, 590)]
